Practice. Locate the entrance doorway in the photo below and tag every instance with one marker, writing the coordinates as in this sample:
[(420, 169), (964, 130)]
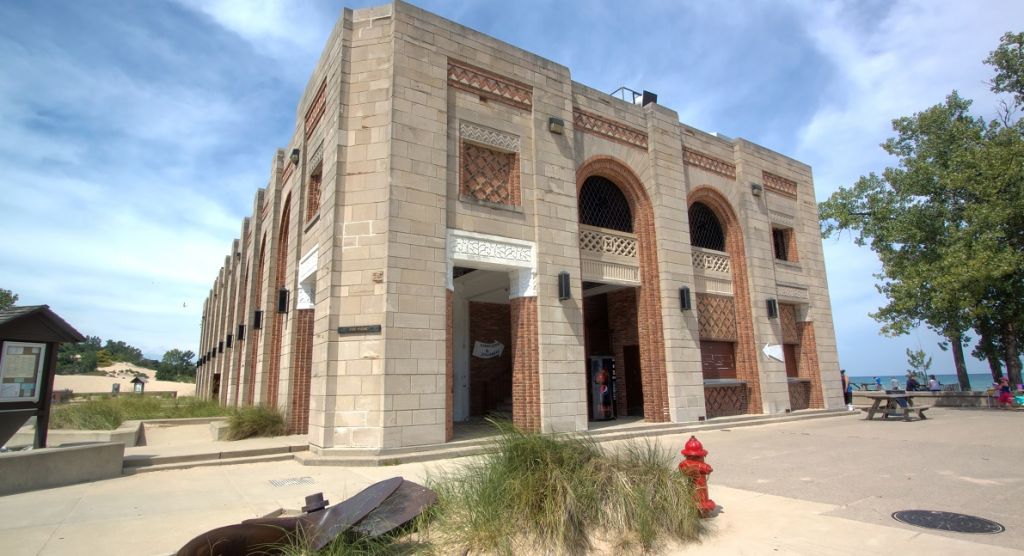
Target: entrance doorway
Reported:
[(612, 341), (483, 345)]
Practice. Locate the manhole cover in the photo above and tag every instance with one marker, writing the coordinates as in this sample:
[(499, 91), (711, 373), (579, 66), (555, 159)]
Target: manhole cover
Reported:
[(947, 521), (292, 482)]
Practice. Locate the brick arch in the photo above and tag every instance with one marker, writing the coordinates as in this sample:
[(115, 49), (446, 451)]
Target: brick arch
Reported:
[(746, 350), (649, 317), (255, 338), (277, 333)]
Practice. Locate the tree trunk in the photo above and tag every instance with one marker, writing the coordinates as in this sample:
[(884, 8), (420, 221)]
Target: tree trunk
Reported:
[(992, 356), (1012, 355), (956, 340)]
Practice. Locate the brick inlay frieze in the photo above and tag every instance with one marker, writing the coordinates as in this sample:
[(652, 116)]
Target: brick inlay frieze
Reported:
[(490, 85), (287, 173), (489, 175), (716, 317), (725, 400), (316, 109), (709, 163), (799, 394), (592, 123), (779, 184)]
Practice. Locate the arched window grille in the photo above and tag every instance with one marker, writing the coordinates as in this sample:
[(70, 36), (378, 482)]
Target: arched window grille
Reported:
[(705, 231), (603, 205)]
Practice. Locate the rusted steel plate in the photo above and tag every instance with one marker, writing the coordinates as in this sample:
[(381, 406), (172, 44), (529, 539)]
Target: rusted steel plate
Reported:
[(339, 517), (405, 504)]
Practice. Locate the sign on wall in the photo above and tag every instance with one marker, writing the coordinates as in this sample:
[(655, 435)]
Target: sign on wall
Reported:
[(21, 371), (488, 350)]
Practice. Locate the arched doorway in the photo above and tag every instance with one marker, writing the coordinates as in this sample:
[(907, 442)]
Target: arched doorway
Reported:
[(622, 308), (725, 321)]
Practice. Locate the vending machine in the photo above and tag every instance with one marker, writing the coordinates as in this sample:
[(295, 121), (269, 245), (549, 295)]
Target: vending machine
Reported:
[(602, 387)]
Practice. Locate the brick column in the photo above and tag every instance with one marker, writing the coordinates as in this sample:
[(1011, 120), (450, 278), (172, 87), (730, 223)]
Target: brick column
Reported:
[(809, 367), (302, 364), (525, 364)]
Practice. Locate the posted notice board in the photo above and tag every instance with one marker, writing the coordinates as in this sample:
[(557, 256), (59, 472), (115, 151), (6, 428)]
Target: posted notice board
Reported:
[(21, 371)]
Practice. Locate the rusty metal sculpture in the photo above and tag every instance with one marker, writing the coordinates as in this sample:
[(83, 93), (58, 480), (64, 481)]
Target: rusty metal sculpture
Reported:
[(377, 509)]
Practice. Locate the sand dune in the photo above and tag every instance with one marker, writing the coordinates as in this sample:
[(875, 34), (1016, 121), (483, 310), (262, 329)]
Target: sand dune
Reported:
[(121, 373)]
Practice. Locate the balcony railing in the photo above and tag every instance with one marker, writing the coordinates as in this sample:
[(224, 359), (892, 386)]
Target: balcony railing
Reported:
[(716, 261), (600, 240)]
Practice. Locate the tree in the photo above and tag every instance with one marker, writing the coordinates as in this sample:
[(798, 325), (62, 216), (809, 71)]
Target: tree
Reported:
[(7, 298), (947, 222), (919, 362), (177, 365)]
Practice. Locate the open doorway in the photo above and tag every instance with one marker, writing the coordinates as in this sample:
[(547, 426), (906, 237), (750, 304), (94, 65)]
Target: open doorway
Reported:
[(612, 347)]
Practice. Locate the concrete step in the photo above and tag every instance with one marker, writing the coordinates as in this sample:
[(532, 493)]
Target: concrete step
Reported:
[(209, 454), (207, 463)]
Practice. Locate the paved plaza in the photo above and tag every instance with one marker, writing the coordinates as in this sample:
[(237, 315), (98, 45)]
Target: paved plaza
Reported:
[(821, 486)]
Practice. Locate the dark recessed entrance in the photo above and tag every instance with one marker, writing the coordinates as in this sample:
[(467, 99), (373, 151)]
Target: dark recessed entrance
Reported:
[(948, 521)]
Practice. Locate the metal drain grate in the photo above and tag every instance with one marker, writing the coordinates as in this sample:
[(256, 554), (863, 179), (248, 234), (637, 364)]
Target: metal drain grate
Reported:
[(292, 482), (948, 521)]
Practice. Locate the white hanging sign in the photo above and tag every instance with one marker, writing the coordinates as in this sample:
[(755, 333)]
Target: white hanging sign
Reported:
[(488, 350), (774, 352)]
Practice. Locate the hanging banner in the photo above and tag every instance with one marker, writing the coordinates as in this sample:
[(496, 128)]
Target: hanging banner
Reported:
[(488, 350)]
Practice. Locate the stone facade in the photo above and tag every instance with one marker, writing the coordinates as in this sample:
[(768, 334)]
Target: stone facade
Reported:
[(434, 172)]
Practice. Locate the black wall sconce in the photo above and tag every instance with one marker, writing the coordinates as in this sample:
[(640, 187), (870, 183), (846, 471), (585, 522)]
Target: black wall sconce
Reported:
[(556, 125), (282, 300), (220, 347), (564, 291), (241, 332), (756, 189), (773, 309), (294, 157), (257, 320), (228, 343), (684, 299)]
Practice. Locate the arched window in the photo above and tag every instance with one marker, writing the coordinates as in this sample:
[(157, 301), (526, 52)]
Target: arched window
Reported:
[(705, 231), (603, 205)]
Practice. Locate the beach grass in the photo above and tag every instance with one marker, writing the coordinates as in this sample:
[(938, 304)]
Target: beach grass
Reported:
[(109, 412), (255, 420)]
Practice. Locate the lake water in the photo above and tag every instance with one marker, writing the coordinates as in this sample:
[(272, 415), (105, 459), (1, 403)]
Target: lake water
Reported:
[(979, 381)]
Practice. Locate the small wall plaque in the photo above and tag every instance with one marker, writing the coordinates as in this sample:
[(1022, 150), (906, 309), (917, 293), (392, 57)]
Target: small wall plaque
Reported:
[(378, 277), (364, 329)]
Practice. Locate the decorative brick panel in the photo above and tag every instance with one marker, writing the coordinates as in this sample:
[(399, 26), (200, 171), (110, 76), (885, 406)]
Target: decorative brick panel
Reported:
[(489, 85), (746, 351), (716, 317), (525, 364), (779, 184), (787, 318), (316, 109), (799, 394), (302, 365), (489, 175), (609, 129), (723, 400), (649, 315), (289, 168), (313, 195), (809, 367), (709, 163)]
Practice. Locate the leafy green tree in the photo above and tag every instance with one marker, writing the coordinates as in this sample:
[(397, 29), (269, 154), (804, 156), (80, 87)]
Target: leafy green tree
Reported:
[(103, 358), (919, 362), (121, 351), (177, 365), (7, 298), (1008, 60)]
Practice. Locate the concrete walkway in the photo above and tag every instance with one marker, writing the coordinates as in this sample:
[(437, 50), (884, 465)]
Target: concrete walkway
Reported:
[(823, 486)]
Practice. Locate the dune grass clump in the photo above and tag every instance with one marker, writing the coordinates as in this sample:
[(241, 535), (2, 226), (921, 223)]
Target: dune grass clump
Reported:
[(109, 412), (255, 420), (538, 493)]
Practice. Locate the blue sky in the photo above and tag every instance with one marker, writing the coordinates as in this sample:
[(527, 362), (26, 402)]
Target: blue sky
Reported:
[(135, 134)]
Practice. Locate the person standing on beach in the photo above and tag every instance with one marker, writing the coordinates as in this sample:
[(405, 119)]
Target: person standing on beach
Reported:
[(878, 384), (847, 390)]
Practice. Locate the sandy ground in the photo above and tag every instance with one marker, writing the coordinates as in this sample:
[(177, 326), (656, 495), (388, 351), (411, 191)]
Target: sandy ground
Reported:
[(121, 373)]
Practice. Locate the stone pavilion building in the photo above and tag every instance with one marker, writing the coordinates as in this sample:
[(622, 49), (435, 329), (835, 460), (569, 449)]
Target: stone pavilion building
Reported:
[(456, 228)]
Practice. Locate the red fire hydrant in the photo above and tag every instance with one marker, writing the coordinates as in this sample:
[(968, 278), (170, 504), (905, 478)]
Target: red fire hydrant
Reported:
[(695, 468)]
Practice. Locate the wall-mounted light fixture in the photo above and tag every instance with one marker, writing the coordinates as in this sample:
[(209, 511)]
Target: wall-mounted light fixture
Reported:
[(257, 320), (228, 343), (684, 299), (220, 347), (773, 308), (241, 332), (556, 125), (564, 291), (282, 300), (294, 157), (756, 189)]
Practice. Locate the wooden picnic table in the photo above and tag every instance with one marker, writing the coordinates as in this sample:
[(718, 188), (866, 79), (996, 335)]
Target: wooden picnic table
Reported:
[(891, 400)]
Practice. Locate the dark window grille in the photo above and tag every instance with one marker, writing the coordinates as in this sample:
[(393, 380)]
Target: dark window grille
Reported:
[(705, 231), (780, 241), (603, 205)]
